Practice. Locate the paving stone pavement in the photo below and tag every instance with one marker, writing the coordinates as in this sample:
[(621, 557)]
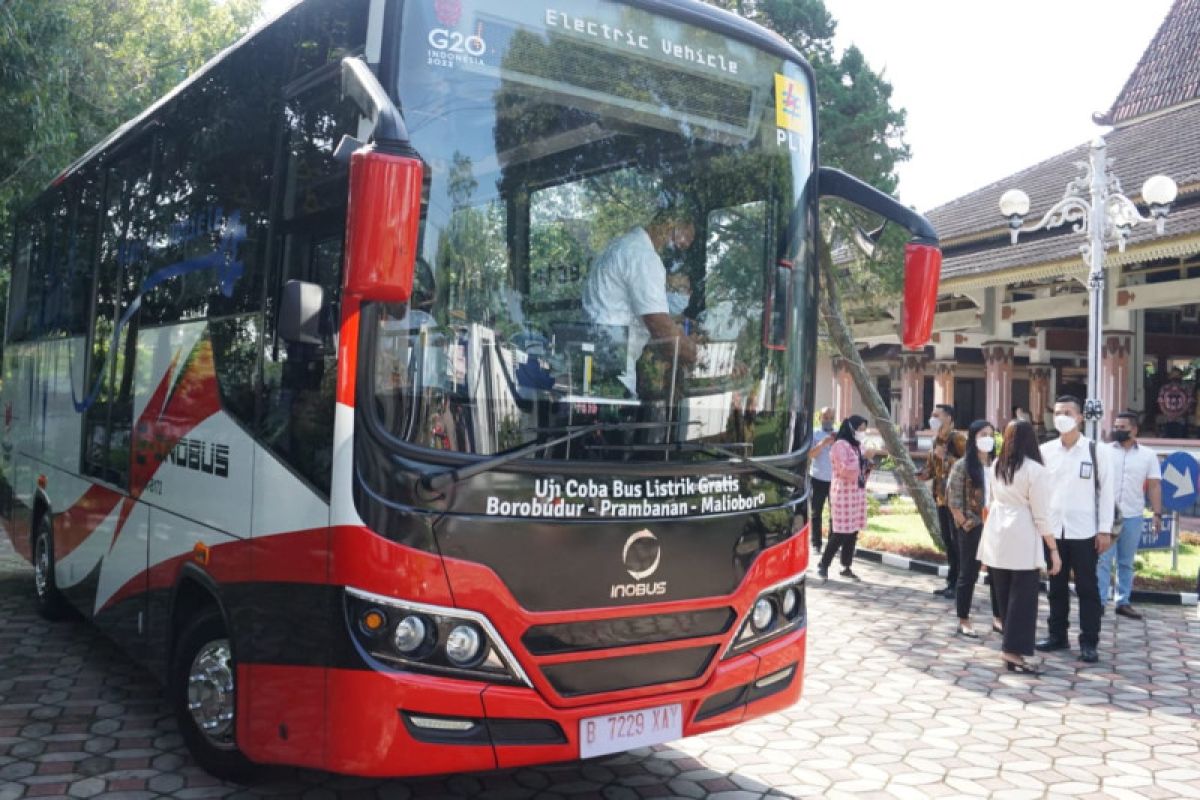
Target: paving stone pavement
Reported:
[(895, 706)]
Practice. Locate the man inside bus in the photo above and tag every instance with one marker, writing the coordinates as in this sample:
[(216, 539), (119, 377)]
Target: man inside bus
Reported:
[(627, 285)]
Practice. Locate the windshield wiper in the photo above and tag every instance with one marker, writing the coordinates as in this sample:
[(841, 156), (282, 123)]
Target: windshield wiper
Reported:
[(781, 475), (441, 480)]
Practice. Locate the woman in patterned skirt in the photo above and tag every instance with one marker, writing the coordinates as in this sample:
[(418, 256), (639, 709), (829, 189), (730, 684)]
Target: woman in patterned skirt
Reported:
[(847, 495)]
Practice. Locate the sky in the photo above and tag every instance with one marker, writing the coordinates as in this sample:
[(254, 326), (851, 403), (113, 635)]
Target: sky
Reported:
[(991, 88)]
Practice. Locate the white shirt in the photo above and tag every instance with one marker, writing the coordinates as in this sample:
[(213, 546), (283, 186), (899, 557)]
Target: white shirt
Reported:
[(626, 282), (1074, 500), (1132, 468), (1018, 516)]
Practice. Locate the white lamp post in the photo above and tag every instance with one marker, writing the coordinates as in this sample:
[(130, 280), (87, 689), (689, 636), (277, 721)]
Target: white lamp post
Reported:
[(1094, 204)]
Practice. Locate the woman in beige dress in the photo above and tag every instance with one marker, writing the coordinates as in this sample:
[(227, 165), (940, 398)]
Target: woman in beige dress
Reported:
[(1018, 532)]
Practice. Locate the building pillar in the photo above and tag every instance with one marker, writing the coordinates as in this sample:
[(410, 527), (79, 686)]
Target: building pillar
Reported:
[(943, 383), (843, 390), (912, 379), (1041, 395), (1115, 349), (998, 383)]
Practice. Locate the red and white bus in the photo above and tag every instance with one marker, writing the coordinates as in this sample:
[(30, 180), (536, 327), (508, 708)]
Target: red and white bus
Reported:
[(306, 404)]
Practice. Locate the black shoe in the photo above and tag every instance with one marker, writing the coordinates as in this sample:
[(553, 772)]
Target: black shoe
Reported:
[(940, 592), (1128, 611), (1023, 667), (823, 573), (1088, 655), (849, 575), (1050, 643), (949, 593)]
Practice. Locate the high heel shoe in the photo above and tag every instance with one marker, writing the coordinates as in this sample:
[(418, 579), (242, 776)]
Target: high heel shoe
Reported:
[(1024, 667), (997, 628)]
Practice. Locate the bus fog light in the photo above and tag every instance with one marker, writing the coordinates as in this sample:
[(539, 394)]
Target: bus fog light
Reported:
[(463, 645), (410, 634), (791, 602), (764, 615)]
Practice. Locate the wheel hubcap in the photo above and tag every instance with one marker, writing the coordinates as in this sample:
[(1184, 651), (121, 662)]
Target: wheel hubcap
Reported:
[(41, 567), (211, 693)]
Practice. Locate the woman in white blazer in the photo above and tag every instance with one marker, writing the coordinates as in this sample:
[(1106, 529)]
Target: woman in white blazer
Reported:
[(1018, 531)]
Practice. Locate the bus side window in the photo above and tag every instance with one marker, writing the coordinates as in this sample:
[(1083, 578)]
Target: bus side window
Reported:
[(108, 391), (300, 377)]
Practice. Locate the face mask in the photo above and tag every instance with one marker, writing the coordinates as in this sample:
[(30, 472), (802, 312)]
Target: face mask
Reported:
[(1121, 436), (861, 436), (985, 443), (934, 424), (1064, 424), (827, 427), (677, 302)]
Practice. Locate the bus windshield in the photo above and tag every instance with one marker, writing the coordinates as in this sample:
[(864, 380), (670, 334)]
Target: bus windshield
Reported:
[(611, 236)]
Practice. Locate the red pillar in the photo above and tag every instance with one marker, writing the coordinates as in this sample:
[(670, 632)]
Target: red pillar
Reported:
[(843, 390), (998, 384), (1114, 376), (912, 376), (1040, 378), (943, 383)]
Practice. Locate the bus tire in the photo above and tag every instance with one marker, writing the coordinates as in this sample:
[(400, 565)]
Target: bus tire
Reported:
[(202, 691), (50, 602)]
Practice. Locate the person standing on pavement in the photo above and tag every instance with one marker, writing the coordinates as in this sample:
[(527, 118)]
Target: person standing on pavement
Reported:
[(1018, 533), (1137, 474), (1082, 478), (847, 495), (949, 445), (966, 497), (820, 474)]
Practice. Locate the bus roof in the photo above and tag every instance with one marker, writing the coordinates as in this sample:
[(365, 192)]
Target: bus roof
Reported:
[(691, 11)]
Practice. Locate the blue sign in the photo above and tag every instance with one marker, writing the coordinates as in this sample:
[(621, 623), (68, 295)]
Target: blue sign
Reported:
[(1152, 541), (1179, 474)]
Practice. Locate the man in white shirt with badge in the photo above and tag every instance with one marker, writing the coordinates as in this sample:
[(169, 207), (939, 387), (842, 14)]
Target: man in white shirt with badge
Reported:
[(1137, 475), (627, 285), (1082, 506)]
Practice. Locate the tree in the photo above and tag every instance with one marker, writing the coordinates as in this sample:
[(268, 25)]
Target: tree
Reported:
[(71, 71), (861, 133)]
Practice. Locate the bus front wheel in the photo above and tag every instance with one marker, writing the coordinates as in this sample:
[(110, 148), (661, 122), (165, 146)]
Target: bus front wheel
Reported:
[(50, 602), (203, 693)]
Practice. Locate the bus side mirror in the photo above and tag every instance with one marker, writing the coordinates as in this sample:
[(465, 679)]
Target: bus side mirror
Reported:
[(922, 270), (382, 225), (300, 312)]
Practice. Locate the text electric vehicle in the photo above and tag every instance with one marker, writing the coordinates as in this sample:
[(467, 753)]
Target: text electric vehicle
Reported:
[(325, 394)]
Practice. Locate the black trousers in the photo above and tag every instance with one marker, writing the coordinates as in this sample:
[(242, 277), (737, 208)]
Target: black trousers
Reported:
[(946, 521), (1017, 597), (1078, 559), (968, 573), (816, 509), (846, 542)]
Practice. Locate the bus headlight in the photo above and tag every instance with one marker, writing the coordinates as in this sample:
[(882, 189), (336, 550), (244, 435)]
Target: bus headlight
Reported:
[(777, 611), (411, 634), (463, 645), (764, 614), (394, 634)]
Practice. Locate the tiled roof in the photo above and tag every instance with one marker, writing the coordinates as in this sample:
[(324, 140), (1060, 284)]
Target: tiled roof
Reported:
[(1165, 144), (1168, 73)]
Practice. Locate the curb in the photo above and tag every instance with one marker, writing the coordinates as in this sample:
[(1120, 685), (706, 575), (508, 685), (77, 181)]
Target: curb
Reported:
[(941, 570)]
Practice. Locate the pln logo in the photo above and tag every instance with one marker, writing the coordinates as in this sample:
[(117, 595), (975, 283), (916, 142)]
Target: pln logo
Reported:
[(791, 103), (448, 12)]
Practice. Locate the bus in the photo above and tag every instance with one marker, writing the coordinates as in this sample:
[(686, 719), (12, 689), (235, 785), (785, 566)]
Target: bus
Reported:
[(318, 396)]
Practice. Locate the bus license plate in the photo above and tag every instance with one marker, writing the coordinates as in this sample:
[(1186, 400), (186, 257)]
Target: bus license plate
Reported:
[(615, 733)]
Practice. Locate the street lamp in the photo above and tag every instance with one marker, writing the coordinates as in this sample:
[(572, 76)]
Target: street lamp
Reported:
[(1094, 204)]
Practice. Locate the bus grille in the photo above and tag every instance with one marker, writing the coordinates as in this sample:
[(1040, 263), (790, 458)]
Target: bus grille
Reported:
[(628, 672), (575, 637)]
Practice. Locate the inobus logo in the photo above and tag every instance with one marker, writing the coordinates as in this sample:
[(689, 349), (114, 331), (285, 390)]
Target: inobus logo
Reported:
[(641, 557)]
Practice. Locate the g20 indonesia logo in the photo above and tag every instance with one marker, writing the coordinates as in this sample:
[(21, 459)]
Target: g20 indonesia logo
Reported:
[(791, 103)]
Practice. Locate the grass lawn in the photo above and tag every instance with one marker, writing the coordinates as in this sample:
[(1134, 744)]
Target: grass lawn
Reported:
[(897, 528)]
